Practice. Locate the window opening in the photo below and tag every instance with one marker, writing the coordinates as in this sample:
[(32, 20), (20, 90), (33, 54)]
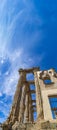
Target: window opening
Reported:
[(53, 104), (35, 115), (30, 76), (32, 87), (47, 81), (33, 96)]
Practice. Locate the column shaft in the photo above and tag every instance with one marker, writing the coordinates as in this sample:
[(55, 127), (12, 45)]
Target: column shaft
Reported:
[(22, 105), (27, 105), (30, 109), (38, 98), (17, 97)]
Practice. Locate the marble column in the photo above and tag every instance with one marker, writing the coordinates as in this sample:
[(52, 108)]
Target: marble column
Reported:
[(30, 109), (17, 97), (39, 104), (22, 104), (27, 105)]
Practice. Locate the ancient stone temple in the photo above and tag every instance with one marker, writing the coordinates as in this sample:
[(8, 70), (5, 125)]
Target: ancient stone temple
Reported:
[(21, 116)]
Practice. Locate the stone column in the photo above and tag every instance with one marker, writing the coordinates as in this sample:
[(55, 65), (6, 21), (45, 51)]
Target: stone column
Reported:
[(21, 81), (27, 105), (39, 104), (30, 110), (22, 104), (32, 115), (17, 97)]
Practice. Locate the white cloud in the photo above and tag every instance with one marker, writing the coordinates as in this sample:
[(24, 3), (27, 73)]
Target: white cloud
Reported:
[(17, 57), (2, 61), (0, 94)]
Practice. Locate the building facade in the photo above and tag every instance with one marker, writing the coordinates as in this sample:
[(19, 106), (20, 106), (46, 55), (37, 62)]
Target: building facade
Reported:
[(25, 105)]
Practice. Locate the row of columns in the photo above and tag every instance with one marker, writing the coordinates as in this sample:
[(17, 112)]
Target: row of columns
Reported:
[(22, 105), (22, 109)]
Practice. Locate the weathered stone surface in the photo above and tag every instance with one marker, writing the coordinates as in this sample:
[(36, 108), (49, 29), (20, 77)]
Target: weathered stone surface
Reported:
[(18, 126), (35, 126), (21, 115)]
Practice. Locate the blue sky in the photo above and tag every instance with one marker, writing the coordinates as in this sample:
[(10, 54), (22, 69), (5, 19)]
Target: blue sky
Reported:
[(28, 37)]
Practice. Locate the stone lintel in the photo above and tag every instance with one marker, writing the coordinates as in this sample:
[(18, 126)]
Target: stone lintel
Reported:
[(33, 106), (30, 70), (33, 101), (33, 110), (31, 91), (29, 82)]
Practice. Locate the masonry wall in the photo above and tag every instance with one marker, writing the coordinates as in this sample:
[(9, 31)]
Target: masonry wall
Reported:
[(46, 91)]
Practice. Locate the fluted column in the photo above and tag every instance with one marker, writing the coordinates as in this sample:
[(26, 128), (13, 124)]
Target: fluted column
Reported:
[(15, 107), (22, 104), (27, 105), (30, 110), (17, 97), (39, 104)]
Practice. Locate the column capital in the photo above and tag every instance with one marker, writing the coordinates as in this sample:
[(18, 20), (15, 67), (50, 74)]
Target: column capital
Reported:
[(36, 69), (21, 71)]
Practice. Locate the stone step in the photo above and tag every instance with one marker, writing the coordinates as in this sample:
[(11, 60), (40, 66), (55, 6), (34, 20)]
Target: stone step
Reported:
[(34, 126)]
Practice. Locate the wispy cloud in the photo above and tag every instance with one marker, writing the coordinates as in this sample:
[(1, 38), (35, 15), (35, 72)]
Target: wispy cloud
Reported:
[(11, 76), (19, 24), (17, 59)]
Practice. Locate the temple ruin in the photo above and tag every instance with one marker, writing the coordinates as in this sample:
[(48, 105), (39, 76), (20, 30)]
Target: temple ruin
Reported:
[(21, 116)]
